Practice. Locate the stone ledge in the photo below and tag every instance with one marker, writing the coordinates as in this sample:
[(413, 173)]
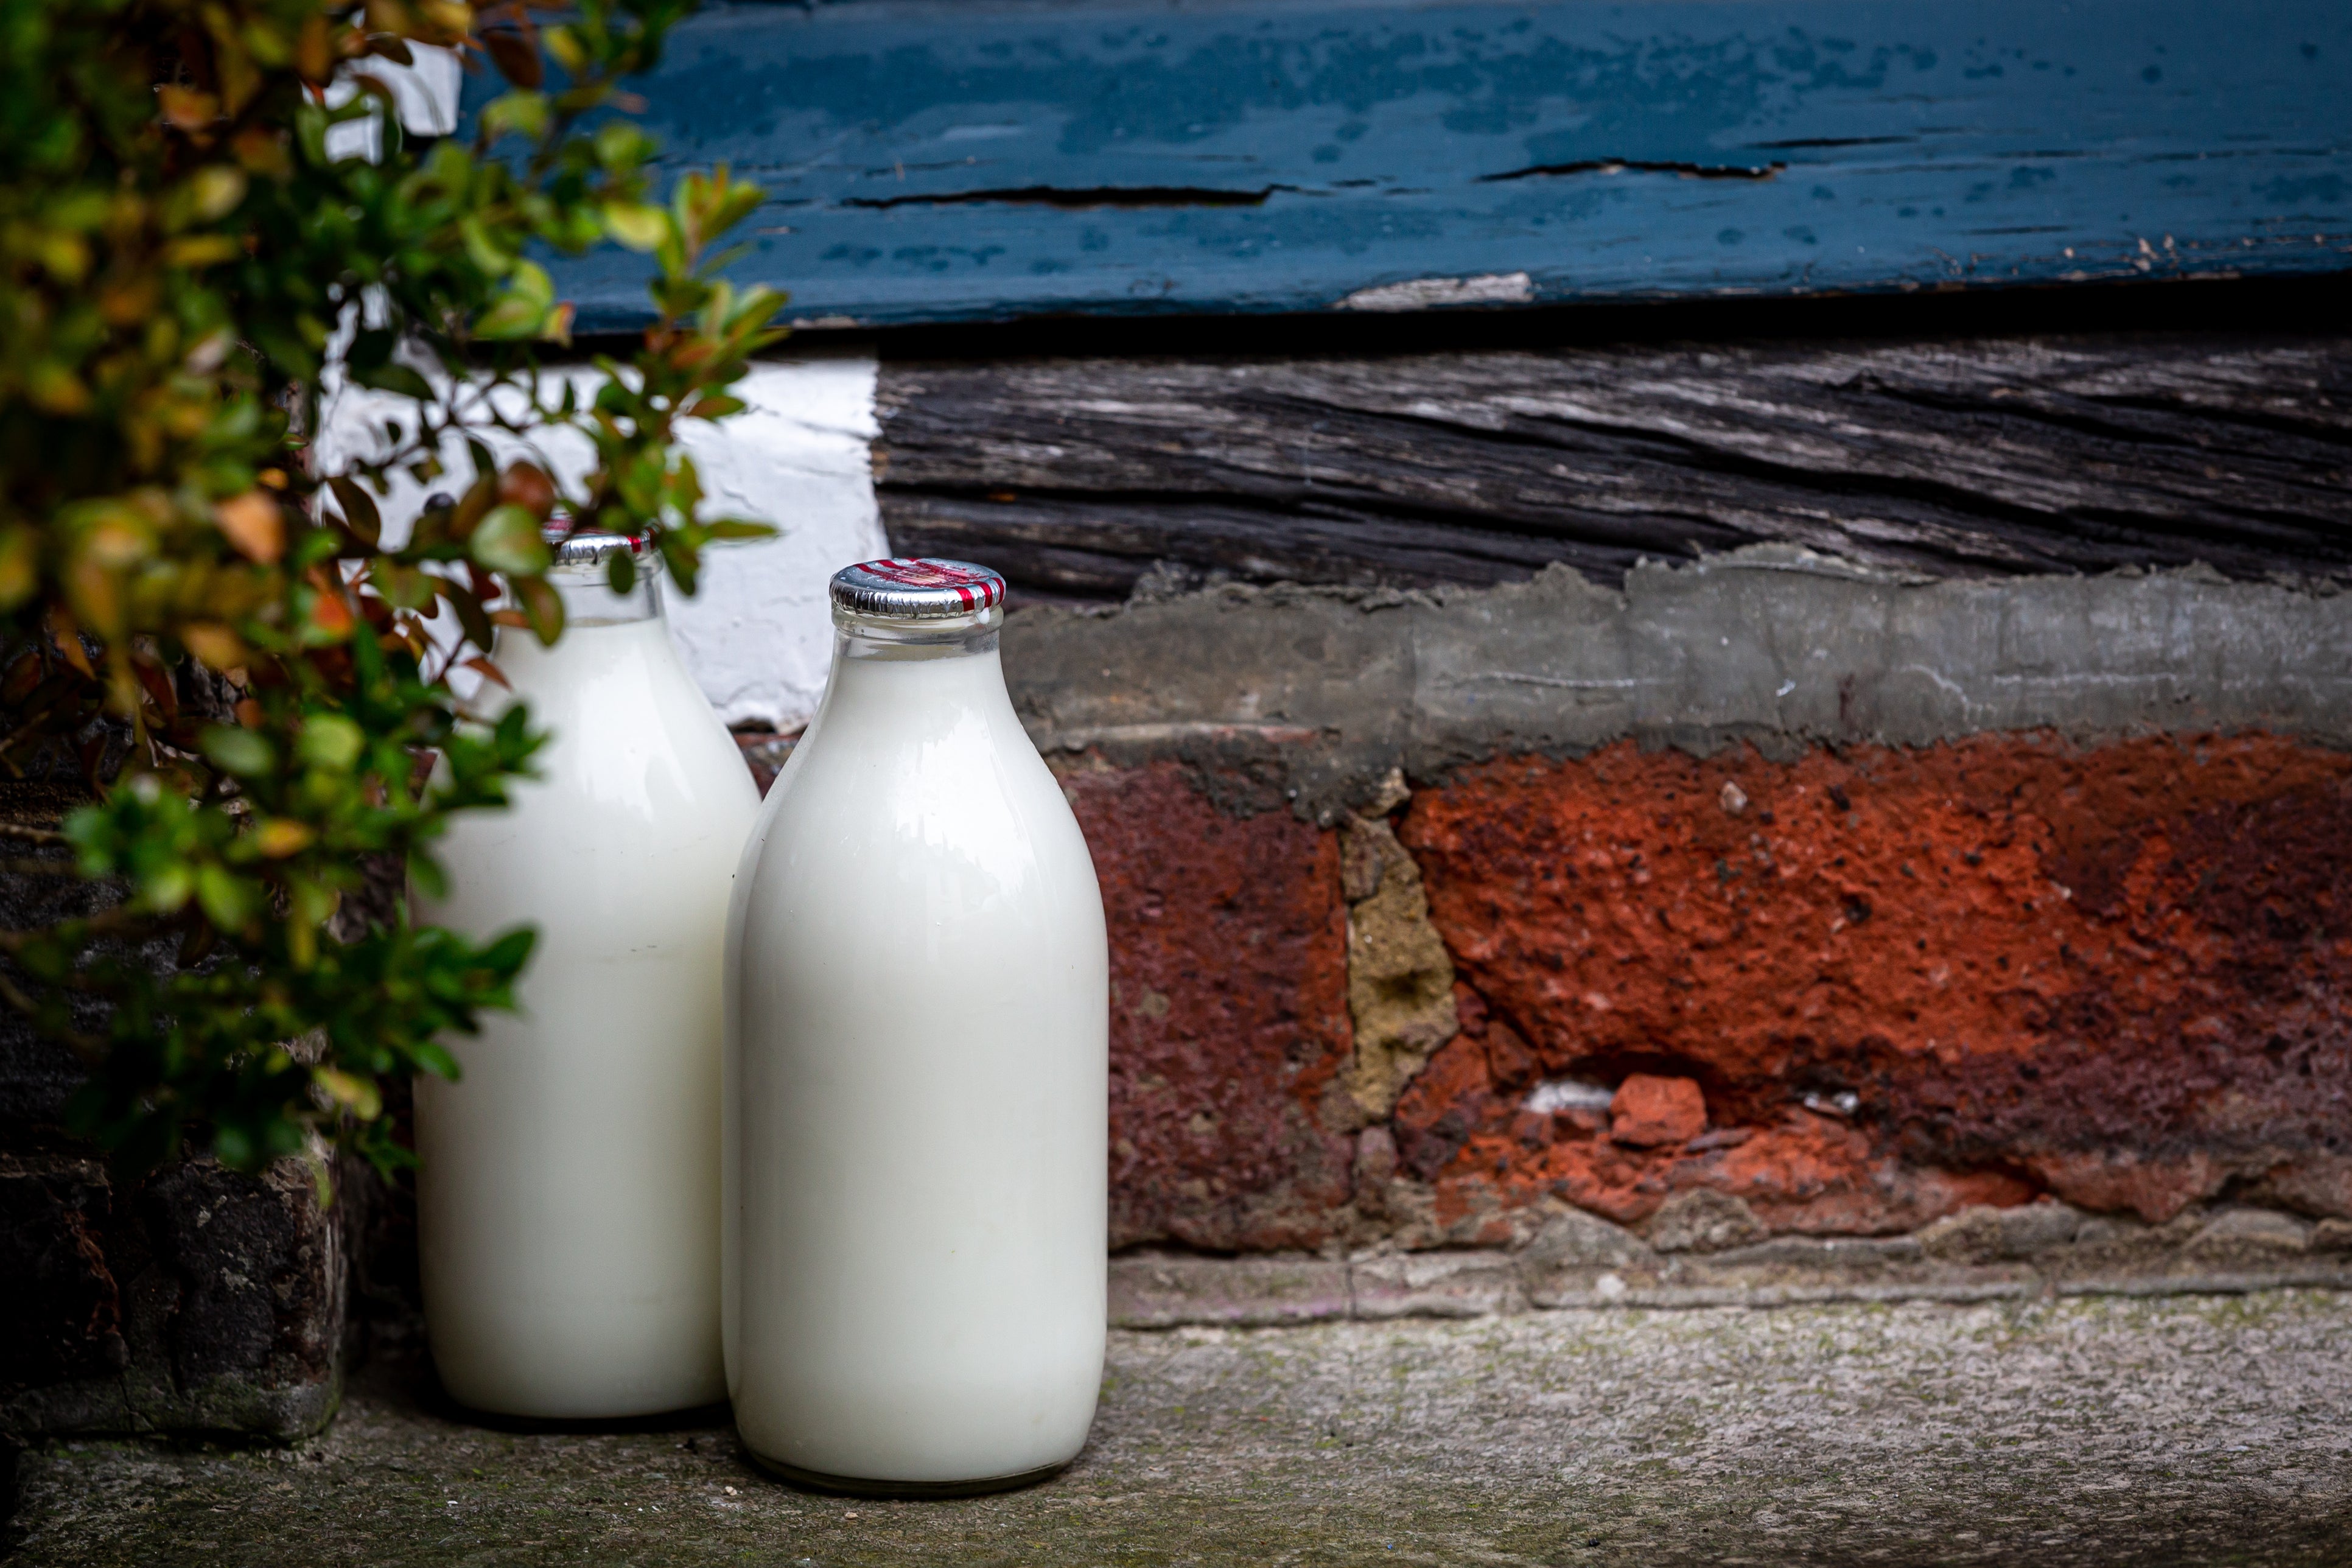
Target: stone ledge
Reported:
[(1993, 1436), (1581, 1261)]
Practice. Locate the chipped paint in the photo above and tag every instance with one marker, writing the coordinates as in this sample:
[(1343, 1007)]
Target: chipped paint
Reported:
[(1430, 293), (943, 160)]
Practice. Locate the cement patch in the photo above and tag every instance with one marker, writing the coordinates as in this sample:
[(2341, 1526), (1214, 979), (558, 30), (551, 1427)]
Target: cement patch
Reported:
[(2100, 1433), (1771, 644)]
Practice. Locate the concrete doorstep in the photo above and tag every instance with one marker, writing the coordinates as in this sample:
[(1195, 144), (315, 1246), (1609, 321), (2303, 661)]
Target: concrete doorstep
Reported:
[(2081, 1430)]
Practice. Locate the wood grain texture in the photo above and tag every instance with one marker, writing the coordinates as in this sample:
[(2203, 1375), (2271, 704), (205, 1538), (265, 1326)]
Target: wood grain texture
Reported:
[(965, 160), (1983, 457)]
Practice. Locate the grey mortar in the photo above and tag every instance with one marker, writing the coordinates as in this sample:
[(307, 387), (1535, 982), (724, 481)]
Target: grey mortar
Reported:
[(1320, 691)]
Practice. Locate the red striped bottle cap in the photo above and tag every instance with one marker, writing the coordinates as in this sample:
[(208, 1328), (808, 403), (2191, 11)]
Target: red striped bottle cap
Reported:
[(917, 589)]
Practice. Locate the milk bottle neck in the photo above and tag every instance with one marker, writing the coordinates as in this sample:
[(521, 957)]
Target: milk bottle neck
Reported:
[(861, 639), (589, 600)]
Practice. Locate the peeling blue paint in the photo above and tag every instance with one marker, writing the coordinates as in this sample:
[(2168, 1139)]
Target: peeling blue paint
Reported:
[(948, 160)]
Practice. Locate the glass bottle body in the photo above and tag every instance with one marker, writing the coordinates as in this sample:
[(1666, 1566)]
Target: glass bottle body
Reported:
[(917, 1086), (568, 1198)]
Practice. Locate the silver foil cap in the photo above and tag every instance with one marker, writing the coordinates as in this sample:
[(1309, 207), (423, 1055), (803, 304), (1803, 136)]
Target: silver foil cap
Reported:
[(585, 548), (917, 589)]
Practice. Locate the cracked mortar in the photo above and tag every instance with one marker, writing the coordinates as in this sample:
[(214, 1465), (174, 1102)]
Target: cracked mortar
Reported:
[(1400, 980)]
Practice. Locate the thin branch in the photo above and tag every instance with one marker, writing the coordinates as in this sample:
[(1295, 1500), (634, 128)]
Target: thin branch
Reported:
[(119, 920), (31, 835), (39, 716), (89, 1047)]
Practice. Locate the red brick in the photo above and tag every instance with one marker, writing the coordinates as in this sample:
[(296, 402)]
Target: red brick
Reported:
[(1228, 1015), (2120, 974), (1650, 1110)]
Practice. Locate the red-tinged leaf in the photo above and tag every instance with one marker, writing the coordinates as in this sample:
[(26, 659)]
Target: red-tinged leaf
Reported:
[(253, 524), (482, 496), (360, 514), (158, 687), (544, 606), (515, 53), (332, 615), (471, 618), (314, 54), (488, 672), (67, 637), (526, 485)]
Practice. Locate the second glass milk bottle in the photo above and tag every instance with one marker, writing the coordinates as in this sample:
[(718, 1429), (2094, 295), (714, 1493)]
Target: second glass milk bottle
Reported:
[(568, 1196), (917, 1071)]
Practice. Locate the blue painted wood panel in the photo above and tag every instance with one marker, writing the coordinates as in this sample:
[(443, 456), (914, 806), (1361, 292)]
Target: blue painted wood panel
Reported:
[(957, 160)]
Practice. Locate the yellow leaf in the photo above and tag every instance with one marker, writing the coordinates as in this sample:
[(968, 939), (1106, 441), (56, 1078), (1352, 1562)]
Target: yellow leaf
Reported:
[(118, 538), (200, 250), (313, 53), (216, 645), (353, 1093), (20, 565), (638, 225), (57, 390), (95, 594), (254, 523), (67, 637), (67, 256), (454, 20), (218, 188), (186, 107), (280, 836)]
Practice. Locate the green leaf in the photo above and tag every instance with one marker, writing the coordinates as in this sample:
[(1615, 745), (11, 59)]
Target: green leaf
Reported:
[(635, 224), (241, 753), (525, 114), (227, 899), (166, 888), (530, 280), (233, 1147), (396, 378), (508, 540), (506, 956), (513, 318), (330, 740), (424, 875)]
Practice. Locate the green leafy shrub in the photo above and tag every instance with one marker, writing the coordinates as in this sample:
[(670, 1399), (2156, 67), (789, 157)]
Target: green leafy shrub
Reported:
[(214, 636)]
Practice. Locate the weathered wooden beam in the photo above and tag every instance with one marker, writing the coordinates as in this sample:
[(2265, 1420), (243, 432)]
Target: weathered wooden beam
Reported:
[(962, 160), (1986, 457)]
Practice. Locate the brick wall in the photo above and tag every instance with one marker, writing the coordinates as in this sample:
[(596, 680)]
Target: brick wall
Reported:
[(1856, 986)]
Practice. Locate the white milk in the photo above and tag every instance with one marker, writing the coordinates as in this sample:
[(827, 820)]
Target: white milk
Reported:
[(568, 1203), (918, 1082)]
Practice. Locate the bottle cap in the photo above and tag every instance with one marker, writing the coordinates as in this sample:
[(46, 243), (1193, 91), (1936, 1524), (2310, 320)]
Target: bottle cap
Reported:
[(916, 589), (577, 548)]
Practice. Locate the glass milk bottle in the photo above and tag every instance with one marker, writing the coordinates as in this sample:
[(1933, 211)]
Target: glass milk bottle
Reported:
[(568, 1196), (917, 1072)]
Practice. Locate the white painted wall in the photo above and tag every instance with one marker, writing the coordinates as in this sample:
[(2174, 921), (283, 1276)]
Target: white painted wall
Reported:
[(759, 634)]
